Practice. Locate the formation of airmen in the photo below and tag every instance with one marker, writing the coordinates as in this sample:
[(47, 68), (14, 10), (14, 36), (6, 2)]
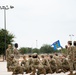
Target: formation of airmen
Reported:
[(42, 64)]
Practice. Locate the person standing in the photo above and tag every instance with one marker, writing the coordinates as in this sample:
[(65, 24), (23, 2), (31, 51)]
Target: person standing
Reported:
[(70, 56), (8, 51), (8, 54), (16, 52), (74, 56)]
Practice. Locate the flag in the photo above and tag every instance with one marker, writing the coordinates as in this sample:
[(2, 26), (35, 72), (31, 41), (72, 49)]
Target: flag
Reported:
[(56, 44)]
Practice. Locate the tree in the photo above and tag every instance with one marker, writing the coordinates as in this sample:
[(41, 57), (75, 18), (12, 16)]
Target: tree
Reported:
[(64, 51), (46, 49), (9, 40), (23, 50), (29, 50)]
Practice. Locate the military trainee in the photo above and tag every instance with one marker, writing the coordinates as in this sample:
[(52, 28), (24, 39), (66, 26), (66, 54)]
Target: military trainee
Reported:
[(16, 52), (8, 54), (74, 56), (70, 56)]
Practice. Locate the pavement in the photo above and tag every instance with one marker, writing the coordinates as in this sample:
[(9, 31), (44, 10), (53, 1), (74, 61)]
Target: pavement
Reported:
[(3, 70)]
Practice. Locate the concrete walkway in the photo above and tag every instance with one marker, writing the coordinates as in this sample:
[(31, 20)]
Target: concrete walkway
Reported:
[(3, 70)]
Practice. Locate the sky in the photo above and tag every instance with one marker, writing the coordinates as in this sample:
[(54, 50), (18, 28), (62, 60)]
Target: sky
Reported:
[(38, 22)]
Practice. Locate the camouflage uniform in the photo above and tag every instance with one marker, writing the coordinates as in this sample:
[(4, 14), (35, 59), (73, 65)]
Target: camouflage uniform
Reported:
[(41, 69), (16, 52), (70, 57), (74, 56), (30, 64), (18, 70), (53, 64), (25, 64), (65, 65), (12, 62), (8, 53), (9, 64), (15, 67), (46, 65), (58, 64), (35, 63)]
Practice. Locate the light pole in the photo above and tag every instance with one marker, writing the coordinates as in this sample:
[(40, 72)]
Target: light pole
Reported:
[(5, 8), (71, 35)]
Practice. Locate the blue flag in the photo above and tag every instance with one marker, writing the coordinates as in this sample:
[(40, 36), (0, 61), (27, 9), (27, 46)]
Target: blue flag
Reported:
[(56, 45)]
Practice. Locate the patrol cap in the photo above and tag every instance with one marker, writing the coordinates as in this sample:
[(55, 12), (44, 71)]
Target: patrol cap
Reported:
[(70, 42), (74, 43)]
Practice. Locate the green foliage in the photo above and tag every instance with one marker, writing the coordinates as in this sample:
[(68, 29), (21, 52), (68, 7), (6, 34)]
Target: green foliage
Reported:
[(9, 40), (46, 49), (24, 50), (29, 50), (64, 51)]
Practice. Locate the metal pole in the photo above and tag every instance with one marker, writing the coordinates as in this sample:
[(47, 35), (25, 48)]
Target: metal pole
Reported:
[(5, 19), (5, 30)]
